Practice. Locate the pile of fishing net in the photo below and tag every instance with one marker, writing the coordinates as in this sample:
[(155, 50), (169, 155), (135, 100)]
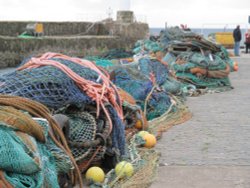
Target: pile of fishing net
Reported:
[(98, 112), (144, 160), (80, 90), (152, 86), (148, 81), (146, 46), (171, 34), (199, 64), (30, 155)]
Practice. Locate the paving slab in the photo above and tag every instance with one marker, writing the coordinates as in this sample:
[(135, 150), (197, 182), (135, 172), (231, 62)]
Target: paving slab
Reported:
[(203, 177)]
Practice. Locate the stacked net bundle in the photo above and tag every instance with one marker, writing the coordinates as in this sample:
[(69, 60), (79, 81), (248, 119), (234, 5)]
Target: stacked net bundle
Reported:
[(203, 71), (174, 33), (52, 87), (197, 62), (143, 81), (27, 162), (48, 85), (146, 46)]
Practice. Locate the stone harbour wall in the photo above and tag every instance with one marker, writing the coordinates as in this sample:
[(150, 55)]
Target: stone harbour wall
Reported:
[(71, 38)]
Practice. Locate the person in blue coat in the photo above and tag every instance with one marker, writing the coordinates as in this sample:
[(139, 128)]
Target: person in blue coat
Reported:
[(237, 39)]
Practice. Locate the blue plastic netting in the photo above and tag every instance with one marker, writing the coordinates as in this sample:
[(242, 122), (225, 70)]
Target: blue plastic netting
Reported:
[(53, 88), (135, 79)]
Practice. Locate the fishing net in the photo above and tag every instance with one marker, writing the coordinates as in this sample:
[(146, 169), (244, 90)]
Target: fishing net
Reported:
[(144, 162), (146, 46), (82, 127), (27, 162), (52, 87), (22, 122), (105, 63), (203, 71), (154, 67), (174, 33), (177, 113), (148, 81), (197, 62), (85, 134)]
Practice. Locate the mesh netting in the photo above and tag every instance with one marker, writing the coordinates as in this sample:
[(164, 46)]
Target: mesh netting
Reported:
[(29, 163), (130, 80), (48, 85), (177, 113), (82, 127), (152, 66), (14, 156), (141, 80), (146, 46), (201, 71), (145, 167), (178, 40), (197, 61), (53, 88), (144, 160), (148, 81)]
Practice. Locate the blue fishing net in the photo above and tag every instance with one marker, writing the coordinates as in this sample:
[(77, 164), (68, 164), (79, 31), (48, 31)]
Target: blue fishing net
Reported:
[(152, 66), (130, 80), (135, 79), (53, 88)]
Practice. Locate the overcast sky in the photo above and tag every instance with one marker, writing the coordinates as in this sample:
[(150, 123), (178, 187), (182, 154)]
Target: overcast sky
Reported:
[(194, 13)]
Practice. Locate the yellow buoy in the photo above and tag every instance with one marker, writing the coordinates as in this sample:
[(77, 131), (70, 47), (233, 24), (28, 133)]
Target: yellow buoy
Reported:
[(150, 140), (124, 169), (143, 133), (95, 174), (138, 124)]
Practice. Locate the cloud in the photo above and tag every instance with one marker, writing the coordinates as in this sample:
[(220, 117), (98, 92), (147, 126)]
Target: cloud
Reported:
[(194, 13)]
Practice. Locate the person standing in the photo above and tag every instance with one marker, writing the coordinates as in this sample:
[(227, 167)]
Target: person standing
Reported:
[(237, 39), (247, 40)]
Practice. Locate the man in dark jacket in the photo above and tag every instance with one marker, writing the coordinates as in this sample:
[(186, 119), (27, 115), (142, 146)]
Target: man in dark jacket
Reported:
[(237, 39)]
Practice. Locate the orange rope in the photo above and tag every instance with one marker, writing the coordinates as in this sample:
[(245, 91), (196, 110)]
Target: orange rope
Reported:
[(101, 93)]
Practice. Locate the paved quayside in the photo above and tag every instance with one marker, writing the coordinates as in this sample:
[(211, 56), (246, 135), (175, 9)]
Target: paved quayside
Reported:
[(212, 150)]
